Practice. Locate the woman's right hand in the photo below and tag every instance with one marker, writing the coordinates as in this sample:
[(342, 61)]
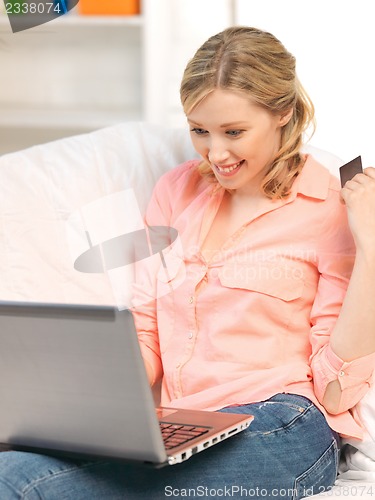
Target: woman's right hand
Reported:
[(359, 197)]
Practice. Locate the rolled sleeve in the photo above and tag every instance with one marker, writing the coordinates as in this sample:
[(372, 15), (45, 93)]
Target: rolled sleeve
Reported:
[(354, 377)]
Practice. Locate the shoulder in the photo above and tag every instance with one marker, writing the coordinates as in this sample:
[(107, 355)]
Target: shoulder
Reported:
[(324, 161), (329, 211), (182, 180), (317, 180), (185, 171), (175, 191), (319, 193)]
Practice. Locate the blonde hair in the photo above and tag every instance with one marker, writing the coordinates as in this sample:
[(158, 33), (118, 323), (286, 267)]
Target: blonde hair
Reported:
[(256, 63)]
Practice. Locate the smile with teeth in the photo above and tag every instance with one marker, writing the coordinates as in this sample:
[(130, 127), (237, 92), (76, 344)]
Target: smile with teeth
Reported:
[(230, 168)]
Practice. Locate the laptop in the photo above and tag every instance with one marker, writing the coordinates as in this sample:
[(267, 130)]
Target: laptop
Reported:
[(73, 383)]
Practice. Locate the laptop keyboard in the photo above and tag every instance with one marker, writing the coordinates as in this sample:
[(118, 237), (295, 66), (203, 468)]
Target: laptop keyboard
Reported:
[(176, 434)]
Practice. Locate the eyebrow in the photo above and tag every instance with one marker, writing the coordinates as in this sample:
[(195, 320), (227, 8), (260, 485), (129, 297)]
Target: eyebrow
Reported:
[(234, 124), (224, 125)]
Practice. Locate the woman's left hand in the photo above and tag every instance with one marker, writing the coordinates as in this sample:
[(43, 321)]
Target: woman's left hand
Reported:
[(359, 197)]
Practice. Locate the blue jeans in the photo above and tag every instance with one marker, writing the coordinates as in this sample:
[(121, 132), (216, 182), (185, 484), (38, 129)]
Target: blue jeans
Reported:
[(288, 452)]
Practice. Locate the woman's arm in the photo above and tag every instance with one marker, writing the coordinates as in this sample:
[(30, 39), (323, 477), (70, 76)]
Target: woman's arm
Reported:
[(353, 336), (144, 296)]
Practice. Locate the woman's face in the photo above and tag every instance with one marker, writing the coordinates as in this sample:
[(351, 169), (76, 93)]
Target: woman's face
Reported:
[(238, 138)]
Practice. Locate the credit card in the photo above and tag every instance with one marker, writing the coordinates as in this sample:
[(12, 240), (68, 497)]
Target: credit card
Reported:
[(349, 170)]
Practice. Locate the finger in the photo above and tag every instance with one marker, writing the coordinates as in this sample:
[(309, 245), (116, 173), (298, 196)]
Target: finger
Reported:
[(370, 172), (355, 182), (365, 179)]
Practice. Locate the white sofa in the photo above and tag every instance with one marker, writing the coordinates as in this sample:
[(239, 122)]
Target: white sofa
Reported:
[(59, 198)]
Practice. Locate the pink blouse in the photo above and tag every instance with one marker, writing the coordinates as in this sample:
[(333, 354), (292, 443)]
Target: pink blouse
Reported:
[(256, 319)]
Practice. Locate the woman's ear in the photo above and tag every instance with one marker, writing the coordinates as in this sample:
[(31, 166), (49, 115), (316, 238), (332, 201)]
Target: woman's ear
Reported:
[(286, 116)]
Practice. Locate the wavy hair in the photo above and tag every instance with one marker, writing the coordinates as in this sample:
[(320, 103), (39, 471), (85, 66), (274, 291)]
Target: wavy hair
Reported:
[(256, 63)]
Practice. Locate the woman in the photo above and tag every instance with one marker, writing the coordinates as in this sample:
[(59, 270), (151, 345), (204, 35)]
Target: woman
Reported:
[(255, 320)]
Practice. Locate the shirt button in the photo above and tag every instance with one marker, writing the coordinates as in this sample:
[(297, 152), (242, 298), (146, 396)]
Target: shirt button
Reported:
[(190, 335), (341, 373), (191, 300)]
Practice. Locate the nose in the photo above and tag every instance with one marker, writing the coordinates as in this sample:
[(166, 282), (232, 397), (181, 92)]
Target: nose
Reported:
[(218, 152)]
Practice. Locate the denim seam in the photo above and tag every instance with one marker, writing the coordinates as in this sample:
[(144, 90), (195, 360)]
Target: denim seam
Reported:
[(289, 424), (52, 475), (10, 486), (320, 459)]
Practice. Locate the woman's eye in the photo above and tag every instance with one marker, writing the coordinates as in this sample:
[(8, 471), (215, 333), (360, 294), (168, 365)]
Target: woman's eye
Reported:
[(234, 133), (198, 131)]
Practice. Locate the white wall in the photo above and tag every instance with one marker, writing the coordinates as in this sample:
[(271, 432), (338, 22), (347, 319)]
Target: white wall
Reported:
[(334, 42), (177, 28)]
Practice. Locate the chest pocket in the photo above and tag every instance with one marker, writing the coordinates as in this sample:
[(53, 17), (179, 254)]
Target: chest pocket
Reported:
[(278, 279), (268, 294)]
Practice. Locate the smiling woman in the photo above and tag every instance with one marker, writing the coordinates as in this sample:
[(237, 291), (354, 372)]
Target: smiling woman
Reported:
[(264, 74), (237, 138)]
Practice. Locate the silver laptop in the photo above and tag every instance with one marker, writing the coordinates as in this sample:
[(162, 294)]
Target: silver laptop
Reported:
[(73, 382)]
